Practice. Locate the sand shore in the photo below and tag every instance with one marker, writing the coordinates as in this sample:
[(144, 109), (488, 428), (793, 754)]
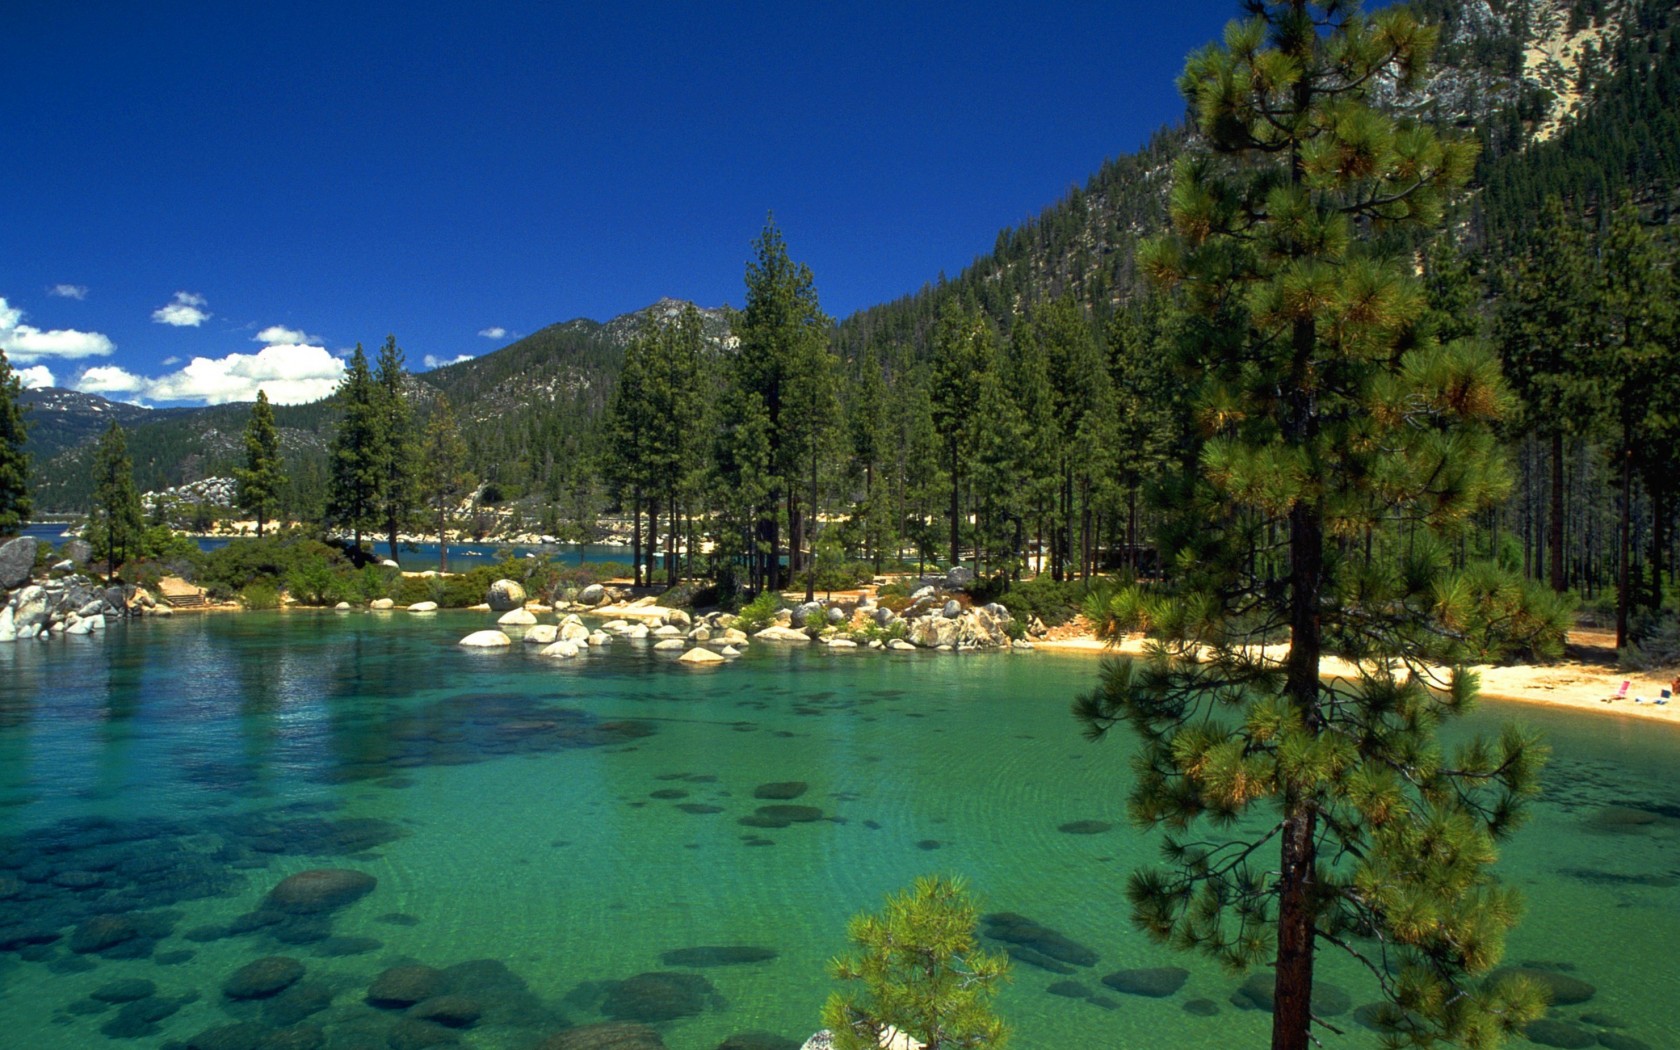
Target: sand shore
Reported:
[(1583, 684)]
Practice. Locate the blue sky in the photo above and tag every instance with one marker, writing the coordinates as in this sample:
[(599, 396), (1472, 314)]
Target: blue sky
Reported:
[(204, 197)]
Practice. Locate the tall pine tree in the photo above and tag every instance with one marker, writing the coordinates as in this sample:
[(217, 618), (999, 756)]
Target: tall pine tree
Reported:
[(1322, 417), (262, 479), (116, 526), (443, 477), (394, 442), (15, 504), (353, 494)]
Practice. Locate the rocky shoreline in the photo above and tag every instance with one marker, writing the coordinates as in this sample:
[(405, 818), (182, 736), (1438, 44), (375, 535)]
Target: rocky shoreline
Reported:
[(65, 601)]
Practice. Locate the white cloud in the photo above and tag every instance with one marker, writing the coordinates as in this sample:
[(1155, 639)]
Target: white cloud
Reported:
[(493, 332), (432, 361), (186, 311), (172, 360), (68, 291), (24, 343), (35, 377), (275, 335), (109, 379), (289, 374)]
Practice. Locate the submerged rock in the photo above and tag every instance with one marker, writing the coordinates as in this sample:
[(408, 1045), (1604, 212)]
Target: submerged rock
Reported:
[(658, 996), (263, 978), (319, 890), (1549, 1031), (1560, 989), (611, 1036), (717, 955), (1019, 930), (1154, 982), (403, 986)]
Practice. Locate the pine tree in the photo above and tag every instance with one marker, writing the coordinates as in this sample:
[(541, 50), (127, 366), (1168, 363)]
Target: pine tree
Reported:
[(1542, 329), (262, 479), (15, 504), (443, 478), (782, 330), (1633, 323), (1323, 416), (393, 450), (923, 974), (963, 345), (353, 495), (117, 523)]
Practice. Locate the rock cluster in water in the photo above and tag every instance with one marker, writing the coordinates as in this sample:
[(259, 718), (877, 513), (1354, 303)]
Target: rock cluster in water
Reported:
[(63, 603)]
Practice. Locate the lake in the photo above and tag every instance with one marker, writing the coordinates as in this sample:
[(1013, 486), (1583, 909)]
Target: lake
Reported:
[(620, 836), (418, 557)]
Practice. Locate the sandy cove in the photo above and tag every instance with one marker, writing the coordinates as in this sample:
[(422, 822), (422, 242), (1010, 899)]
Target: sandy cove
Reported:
[(1586, 685)]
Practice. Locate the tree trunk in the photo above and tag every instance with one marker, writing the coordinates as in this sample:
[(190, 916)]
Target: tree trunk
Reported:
[(1624, 545), (443, 545), (636, 538), (956, 510), (1554, 524)]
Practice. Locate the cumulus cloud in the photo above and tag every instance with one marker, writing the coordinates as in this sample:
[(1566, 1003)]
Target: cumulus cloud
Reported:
[(186, 310), (35, 376), (277, 335), (24, 343), (289, 374), (433, 361), (109, 379), (68, 291), (493, 332)]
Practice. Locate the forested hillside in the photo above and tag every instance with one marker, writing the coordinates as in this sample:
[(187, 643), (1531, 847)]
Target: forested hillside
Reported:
[(1022, 411)]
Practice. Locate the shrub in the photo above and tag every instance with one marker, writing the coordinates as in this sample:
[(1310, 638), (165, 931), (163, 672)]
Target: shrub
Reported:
[(1653, 642), (922, 972), (758, 613), (260, 596), (1053, 601)]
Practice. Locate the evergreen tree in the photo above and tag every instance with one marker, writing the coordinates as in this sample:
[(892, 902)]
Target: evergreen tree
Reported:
[(262, 479), (630, 451), (782, 330), (923, 974), (354, 489), (15, 504), (1542, 328), (393, 449), (117, 524), (1323, 416), (962, 348), (443, 478), (866, 413), (1633, 322)]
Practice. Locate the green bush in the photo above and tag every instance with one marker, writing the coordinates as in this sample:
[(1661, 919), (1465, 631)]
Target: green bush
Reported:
[(758, 613), (293, 559), (921, 971), (260, 596), (1653, 642), (1053, 601)]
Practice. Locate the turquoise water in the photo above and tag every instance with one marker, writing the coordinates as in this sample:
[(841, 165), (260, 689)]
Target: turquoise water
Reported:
[(576, 821)]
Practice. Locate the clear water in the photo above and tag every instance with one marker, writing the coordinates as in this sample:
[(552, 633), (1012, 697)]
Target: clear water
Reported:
[(507, 807)]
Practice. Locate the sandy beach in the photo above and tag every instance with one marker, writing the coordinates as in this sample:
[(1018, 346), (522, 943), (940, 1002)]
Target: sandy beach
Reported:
[(1586, 680)]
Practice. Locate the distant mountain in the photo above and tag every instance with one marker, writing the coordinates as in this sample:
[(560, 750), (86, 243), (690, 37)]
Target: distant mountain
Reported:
[(1566, 96), (527, 409), (1577, 97), (59, 419)]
